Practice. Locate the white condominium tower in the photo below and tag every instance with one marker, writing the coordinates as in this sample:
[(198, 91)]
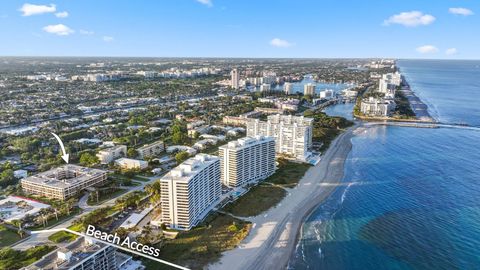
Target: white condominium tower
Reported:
[(288, 88), (235, 78), (309, 89), (247, 160), (293, 134), (190, 191)]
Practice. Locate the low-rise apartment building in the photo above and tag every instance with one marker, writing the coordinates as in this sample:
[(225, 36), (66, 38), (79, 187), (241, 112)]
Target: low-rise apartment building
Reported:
[(151, 150), (63, 182), (131, 164), (105, 156)]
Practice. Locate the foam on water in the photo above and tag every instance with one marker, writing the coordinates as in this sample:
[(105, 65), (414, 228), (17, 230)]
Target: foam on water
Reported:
[(410, 195)]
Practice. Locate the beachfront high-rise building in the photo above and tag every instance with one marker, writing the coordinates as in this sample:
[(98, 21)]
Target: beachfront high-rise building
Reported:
[(235, 79), (63, 182), (247, 160), (377, 106), (309, 89), (389, 83), (288, 88), (190, 191), (293, 134)]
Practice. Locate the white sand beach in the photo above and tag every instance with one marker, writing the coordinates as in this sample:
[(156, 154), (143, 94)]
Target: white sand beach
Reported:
[(274, 234)]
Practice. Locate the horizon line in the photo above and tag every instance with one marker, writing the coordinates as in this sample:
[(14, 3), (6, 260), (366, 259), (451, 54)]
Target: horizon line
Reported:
[(233, 57)]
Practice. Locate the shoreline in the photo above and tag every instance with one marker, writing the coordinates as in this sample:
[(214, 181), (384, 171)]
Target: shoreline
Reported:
[(274, 236)]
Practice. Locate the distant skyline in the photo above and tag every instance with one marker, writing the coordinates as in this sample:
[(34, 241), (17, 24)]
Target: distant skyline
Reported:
[(445, 29)]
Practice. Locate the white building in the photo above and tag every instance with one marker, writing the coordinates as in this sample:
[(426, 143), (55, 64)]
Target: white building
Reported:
[(326, 94), (190, 191), (266, 87), (151, 150), (247, 160), (309, 89), (20, 174), (108, 155), (129, 164), (235, 79), (288, 88), (293, 134), (377, 106), (389, 83)]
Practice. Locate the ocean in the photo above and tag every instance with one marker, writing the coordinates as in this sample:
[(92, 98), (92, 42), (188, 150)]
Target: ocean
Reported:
[(410, 197)]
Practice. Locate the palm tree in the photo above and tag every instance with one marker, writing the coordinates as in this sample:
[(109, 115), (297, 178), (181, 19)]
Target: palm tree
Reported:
[(154, 190)]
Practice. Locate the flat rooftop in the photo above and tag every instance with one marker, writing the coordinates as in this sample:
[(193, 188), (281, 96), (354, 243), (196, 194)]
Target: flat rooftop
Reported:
[(190, 168), (246, 142), (80, 249), (64, 176), (150, 145), (14, 207)]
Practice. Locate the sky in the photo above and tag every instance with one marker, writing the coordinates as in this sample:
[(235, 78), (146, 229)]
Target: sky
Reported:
[(434, 29)]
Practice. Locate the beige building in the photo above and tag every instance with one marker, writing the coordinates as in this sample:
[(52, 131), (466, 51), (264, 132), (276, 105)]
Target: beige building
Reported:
[(247, 160), (234, 120), (309, 89), (151, 150), (63, 182), (293, 134), (105, 156), (190, 191), (131, 164)]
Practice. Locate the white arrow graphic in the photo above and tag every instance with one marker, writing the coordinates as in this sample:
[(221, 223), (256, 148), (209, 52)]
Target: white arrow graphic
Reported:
[(65, 156)]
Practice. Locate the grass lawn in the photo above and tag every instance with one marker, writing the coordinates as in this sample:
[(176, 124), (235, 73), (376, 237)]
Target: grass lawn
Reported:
[(16, 259), (256, 201), (63, 236), (140, 178), (108, 196), (7, 237), (203, 244), (52, 222), (288, 173)]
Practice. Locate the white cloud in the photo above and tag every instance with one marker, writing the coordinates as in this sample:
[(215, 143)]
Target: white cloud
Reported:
[(460, 11), (86, 32), (58, 29), (451, 51), (276, 42), (410, 19), (108, 38), (427, 49), (31, 9), (206, 2), (62, 14)]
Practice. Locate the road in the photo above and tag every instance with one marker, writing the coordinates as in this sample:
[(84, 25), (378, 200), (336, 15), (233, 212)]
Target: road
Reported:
[(42, 238)]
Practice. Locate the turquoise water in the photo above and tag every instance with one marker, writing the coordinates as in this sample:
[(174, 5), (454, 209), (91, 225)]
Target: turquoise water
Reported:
[(410, 198), (343, 110)]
